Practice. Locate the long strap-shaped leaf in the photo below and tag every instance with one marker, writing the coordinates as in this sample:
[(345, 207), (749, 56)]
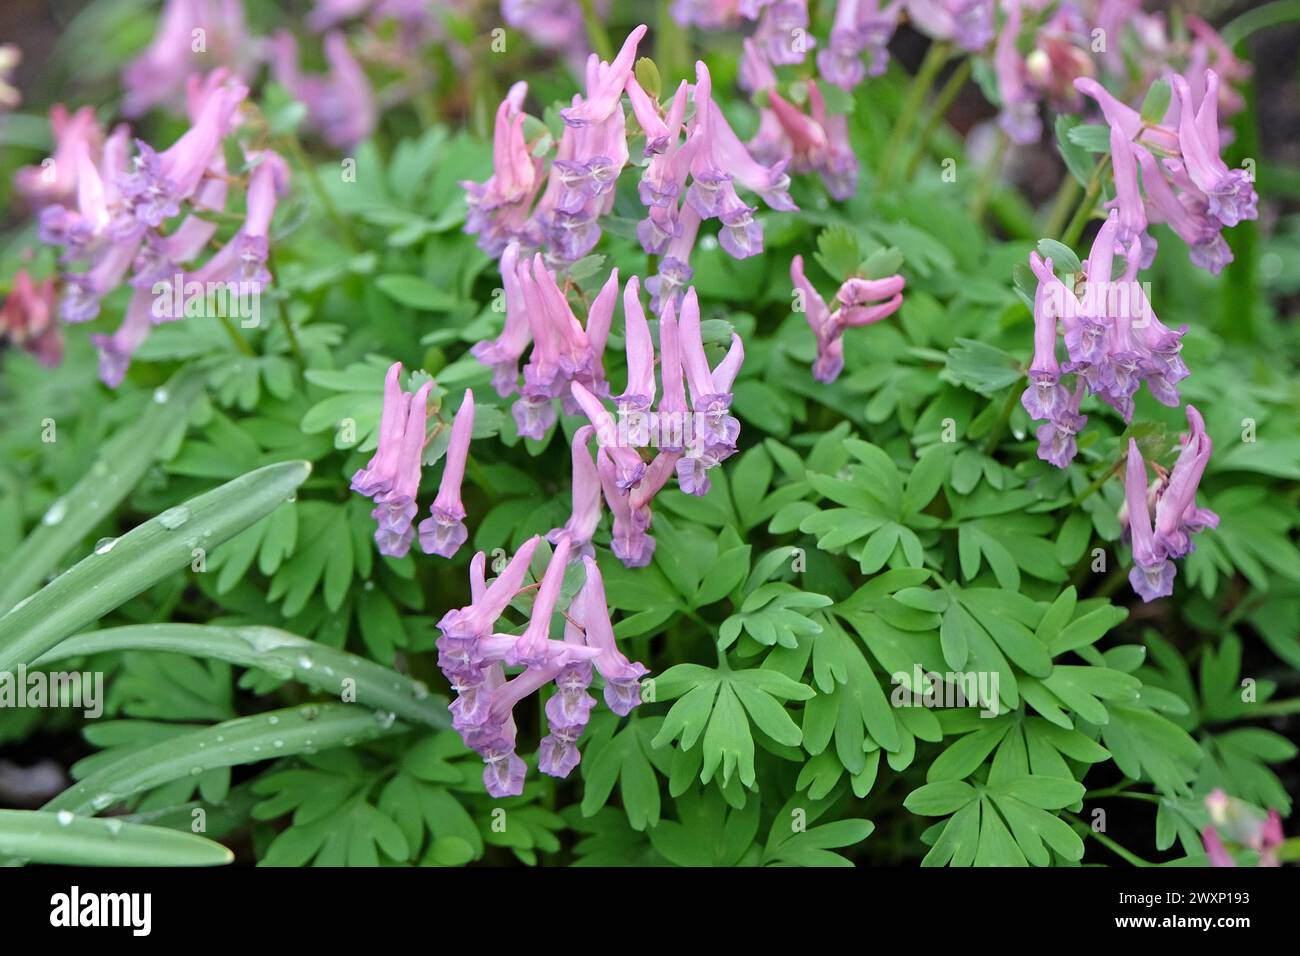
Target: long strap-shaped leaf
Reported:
[(120, 465), (279, 652), (40, 836), (141, 558), (277, 733)]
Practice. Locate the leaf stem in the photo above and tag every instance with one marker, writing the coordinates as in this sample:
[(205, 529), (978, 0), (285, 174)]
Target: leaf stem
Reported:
[(327, 202), (241, 343), (936, 113), (935, 57), (597, 35), (1084, 211)]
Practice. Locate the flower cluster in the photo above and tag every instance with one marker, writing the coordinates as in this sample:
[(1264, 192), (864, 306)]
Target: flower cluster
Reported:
[(474, 660), (857, 302), (1185, 183), (812, 142), (538, 313), (1173, 498), (392, 476), (10, 57), (694, 168), (27, 319), (142, 219), (1113, 339), (341, 106), (194, 36), (1244, 827)]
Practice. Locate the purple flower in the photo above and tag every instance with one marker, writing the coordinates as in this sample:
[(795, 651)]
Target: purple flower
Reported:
[(157, 76), (531, 648), (783, 31), (860, 26), (243, 258), (115, 350), (1056, 438), (160, 182), (1045, 397), (443, 532), (1153, 573), (499, 207), (968, 23), (610, 79), (27, 319), (586, 511), (1177, 516), (630, 468), (392, 477), (341, 106), (1019, 118), (622, 677), (1230, 194), (502, 353), (55, 180), (859, 303), (816, 142)]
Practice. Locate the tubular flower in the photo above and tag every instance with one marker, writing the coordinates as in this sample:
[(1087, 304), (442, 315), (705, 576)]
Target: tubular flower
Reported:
[(392, 477), (341, 105), (1185, 183), (499, 207), (27, 319), (1244, 826), (1019, 117), (1177, 517), (1114, 341), (815, 142), (157, 76), (474, 659), (968, 23), (859, 302), (443, 532), (860, 26), (55, 180)]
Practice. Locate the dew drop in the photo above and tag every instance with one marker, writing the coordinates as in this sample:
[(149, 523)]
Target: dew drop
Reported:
[(279, 744), (103, 801), (173, 518), (161, 395), (305, 662), (273, 720), (386, 718), (66, 817), (419, 690), (195, 771), (56, 513), (105, 545)]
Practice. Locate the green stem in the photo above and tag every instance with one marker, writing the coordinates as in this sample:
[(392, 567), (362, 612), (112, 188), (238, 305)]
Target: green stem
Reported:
[(935, 57), (327, 203), (936, 113), (1096, 483), (1066, 197), (1277, 708), (597, 36), (989, 178), (1004, 417), (1082, 214), (282, 309), (240, 342), (1111, 845)]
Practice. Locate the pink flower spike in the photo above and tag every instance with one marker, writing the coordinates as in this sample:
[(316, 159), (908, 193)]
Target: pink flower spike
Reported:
[(531, 648), (698, 375), (1153, 574), (603, 96), (599, 319), (376, 476), (657, 135), (586, 510), (640, 392), (622, 676), (630, 466), (443, 532)]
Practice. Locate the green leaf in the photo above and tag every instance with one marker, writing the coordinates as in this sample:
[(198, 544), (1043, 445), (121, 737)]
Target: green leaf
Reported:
[(141, 558), (267, 736), (278, 652), (119, 466), (415, 293), (40, 836)]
